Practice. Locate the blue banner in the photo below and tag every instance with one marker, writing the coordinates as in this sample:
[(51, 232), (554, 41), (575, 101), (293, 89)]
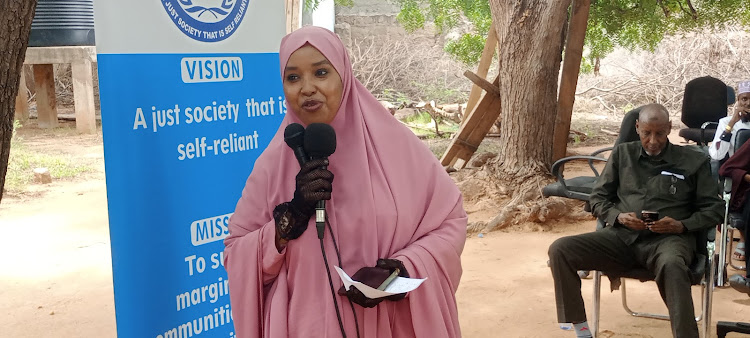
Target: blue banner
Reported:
[(181, 134), (190, 96)]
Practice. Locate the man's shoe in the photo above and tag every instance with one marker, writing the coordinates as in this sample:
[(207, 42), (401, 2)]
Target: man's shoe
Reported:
[(740, 283)]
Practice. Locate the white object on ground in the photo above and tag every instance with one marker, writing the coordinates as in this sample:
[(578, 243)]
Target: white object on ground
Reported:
[(42, 175)]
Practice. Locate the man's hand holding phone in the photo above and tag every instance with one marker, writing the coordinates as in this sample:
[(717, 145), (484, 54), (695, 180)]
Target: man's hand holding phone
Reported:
[(649, 217), (667, 225), (631, 220)]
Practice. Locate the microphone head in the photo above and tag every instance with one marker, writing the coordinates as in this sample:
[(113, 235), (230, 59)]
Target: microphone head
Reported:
[(320, 140), (294, 135)]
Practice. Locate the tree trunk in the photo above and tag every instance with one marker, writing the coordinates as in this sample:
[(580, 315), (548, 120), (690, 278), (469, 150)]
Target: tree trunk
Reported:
[(530, 35), (15, 20)]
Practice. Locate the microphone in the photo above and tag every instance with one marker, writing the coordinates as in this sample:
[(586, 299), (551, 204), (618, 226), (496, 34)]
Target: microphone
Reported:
[(294, 136), (319, 142)]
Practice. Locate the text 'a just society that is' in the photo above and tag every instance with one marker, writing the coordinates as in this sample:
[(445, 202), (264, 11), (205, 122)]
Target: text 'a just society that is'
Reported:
[(170, 116)]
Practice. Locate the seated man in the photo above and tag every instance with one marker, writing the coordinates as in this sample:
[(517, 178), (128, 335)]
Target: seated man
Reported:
[(650, 174), (723, 143)]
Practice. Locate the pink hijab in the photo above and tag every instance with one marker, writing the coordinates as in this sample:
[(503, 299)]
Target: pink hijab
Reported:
[(391, 199)]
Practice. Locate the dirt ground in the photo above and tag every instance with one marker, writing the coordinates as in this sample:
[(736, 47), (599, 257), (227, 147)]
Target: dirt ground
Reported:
[(56, 271)]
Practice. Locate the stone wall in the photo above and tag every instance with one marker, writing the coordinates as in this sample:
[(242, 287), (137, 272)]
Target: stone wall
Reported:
[(376, 18)]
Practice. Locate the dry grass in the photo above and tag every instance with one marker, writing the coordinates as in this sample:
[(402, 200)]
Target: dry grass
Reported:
[(631, 79)]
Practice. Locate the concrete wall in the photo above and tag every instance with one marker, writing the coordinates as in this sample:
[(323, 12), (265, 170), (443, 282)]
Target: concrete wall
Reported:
[(369, 18), (369, 8)]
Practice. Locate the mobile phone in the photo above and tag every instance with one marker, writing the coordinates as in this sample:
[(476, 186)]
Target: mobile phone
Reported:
[(649, 216)]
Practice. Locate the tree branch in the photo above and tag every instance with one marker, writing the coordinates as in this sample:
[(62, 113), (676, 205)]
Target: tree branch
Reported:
[(693, 12), (663, 8), (690, 12)]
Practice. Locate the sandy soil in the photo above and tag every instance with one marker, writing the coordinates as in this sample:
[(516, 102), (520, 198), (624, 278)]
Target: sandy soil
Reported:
[(55, 274)]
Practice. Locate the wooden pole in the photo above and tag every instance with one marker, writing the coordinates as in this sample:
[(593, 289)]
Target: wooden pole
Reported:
[(46, 103), (83, 96), (292, 15), (569, 80), (490, 47), (22, 99)]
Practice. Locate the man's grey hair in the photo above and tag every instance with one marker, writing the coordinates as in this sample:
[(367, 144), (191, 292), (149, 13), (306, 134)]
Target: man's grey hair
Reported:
[(653, 112)]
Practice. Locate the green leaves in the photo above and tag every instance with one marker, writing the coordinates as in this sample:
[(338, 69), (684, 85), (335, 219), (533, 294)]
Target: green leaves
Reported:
[(633, 24), (311, 5), (467, 49), (445, 13), (411, 16)]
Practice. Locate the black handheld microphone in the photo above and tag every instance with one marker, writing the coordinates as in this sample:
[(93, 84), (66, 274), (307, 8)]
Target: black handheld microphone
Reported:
[(319, 142), (294, 136)]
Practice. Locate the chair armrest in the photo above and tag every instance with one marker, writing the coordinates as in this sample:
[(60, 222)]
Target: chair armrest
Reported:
[(703, 131), (591, 162), (601, 151), (559, 166)]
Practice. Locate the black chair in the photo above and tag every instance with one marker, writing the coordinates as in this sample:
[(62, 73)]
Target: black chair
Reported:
[(580, 187), (702, 272), (731, 96), (732, 220), (708, 129), (722, 328), (704, 102), (730, 223)]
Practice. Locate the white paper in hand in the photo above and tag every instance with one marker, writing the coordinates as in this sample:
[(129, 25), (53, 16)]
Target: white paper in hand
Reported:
[(398, 285)]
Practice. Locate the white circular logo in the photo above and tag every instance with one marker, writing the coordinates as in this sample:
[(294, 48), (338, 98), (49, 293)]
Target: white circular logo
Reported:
[(208, 11), (206, 20)]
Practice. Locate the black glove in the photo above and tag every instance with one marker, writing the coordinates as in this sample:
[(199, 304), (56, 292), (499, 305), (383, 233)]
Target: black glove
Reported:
[(313, 184), (359, 298), (373, 276), (390, 265)]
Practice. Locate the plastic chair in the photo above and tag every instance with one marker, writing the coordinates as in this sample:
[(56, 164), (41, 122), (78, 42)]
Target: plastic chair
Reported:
[(701, 273), (580, 187), (704, 102)]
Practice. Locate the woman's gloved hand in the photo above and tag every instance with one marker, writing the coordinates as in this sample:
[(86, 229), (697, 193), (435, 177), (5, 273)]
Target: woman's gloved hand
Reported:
[(371, 276), (391, 265), (313, 184), (357, 297)]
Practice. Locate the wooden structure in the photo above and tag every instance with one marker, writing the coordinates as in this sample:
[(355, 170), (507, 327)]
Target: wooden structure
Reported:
[(484, 109), (490, 47), (475, 126), (42, 60), (569, 80)]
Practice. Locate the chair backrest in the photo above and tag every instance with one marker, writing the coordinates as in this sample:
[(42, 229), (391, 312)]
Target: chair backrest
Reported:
[(731, 97), (740, 138), (627, 127), (725, 183), (705, 100)]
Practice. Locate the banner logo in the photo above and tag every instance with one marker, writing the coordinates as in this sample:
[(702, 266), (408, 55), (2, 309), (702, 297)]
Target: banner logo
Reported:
[(206, 20)]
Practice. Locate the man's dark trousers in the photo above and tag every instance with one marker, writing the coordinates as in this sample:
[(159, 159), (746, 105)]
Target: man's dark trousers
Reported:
[(667, 256)]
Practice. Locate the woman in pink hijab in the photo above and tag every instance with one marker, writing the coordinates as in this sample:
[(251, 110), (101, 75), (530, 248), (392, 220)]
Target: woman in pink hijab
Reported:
[(391, 203)]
